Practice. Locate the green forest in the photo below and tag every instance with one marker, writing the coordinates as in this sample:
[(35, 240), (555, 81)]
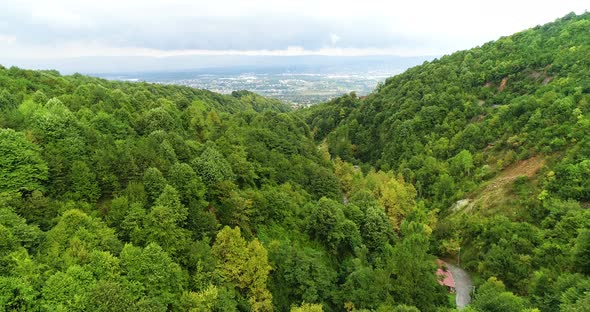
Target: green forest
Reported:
[(131, 196)]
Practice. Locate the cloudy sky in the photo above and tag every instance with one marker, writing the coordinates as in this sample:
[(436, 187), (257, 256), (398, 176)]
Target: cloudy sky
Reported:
[(40, 29)]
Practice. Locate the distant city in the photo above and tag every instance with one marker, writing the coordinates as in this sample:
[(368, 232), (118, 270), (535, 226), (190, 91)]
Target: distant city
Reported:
[(298, 84), (300, 89), (296, 88)]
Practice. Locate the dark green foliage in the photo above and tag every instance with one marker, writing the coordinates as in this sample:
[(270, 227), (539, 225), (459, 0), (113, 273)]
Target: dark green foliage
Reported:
[(582, 252), (366, 287), (375, 229), (321, 182), (413, 267), (154, 183), (503, 128), (17, 232), (120, 196), (160, 278), (493, 297), (68, 290), (16, 294), (308, 276), (21, 167), (185, 180), (212, 166), (510, 95), (99, 165), (83, 185), (7, 101), (110, 296), (328, 225), (259, 103)]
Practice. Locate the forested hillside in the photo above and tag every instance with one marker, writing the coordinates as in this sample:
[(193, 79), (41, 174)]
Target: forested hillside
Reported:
[(141, 197), (120, 196), (496, 142)]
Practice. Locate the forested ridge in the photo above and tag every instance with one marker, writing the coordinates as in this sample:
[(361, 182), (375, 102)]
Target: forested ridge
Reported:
[(496, 142), (142, 197), (118, 196)]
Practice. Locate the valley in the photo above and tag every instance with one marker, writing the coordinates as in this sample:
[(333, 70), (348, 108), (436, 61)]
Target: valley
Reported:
[(181, 191)]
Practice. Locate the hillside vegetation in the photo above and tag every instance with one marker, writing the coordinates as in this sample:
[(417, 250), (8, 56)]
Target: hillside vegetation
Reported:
[(142, 197), (496, 142)]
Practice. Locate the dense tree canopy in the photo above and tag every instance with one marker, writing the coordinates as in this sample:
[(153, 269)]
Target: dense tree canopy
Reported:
[(21, 167), (118, 196), (132, 197), (494, 142)]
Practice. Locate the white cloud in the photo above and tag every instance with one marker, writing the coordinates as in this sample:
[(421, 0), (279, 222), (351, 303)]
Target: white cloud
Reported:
[(95, 49), (58, 17), (6, 40), (70, 28), (334, 38)]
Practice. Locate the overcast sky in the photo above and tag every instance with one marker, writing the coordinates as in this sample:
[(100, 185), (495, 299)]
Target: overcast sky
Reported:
[(72, 28)]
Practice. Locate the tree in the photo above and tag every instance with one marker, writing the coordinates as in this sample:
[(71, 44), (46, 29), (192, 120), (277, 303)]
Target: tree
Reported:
[(212, 166), (16, 294), (366, 287), (404, 308), (321, 182), (493, 297), (162, 280), (414, 270), (209, 299), (462, 163), (111, 296), (68, 291), (543, 292), (256, 270), (582, 252), (375, 229), (302, 274), (190, 187), (74, 237), (39, 97), (16, 232), (230, 250), (581, 304), (158, 118), (308, 307), (117, 211), (503, 261), (327, 223), (7, 101), (154, 183), (444, 187), (394, 194), (244, 265), (163, 224), (83, 185), (131, 228), (21, 166)]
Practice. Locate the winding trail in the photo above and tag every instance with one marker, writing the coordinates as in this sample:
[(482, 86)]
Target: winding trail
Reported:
[(463, 285)]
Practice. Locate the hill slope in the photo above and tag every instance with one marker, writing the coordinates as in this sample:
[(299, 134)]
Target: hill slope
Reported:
[(141, 197), (499, 133), (520, 96)]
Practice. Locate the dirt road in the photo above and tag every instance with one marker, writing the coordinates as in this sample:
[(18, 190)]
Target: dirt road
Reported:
[(463, 285)]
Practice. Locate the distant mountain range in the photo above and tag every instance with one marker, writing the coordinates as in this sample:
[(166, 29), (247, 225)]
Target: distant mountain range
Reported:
[(216, 63)]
